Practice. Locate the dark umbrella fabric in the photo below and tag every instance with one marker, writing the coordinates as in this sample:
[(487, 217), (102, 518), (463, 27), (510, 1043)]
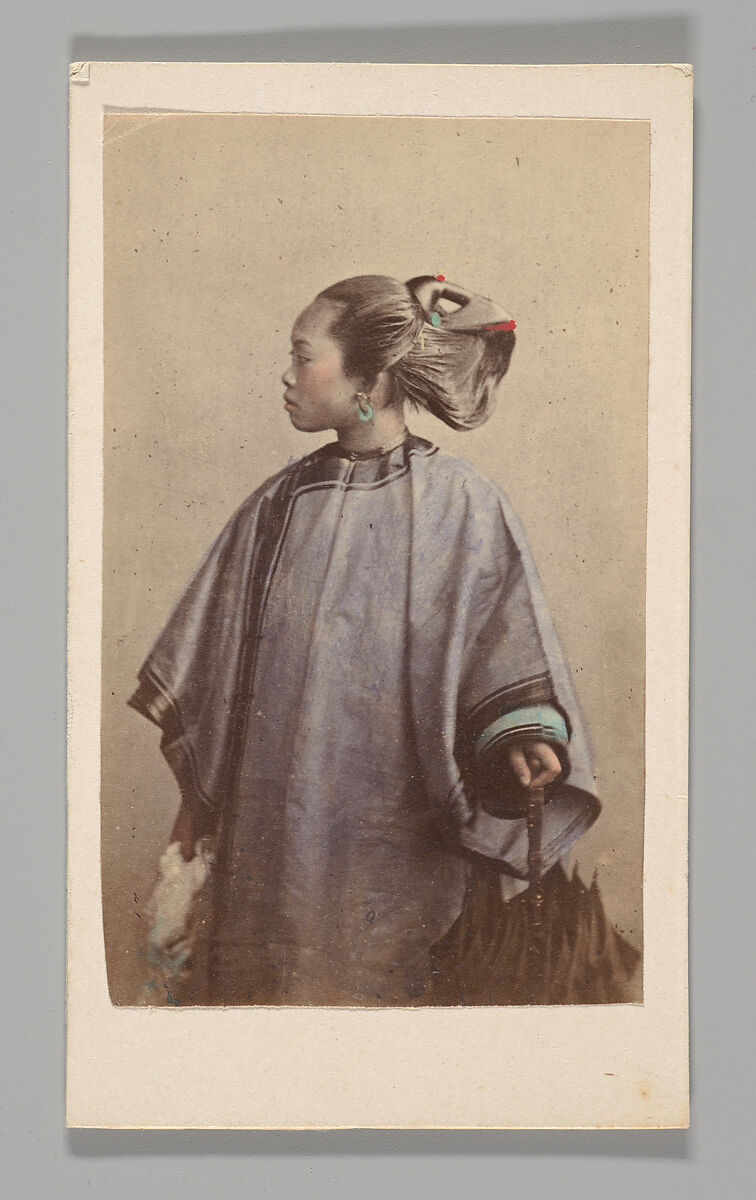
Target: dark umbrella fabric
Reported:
[(493, 955)]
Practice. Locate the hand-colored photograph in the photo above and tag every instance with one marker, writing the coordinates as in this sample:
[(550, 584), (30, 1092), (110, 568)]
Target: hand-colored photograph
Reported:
[(375, 480)]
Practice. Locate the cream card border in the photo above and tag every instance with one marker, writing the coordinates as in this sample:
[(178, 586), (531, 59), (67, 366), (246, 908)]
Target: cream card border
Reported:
[(596, 1067)]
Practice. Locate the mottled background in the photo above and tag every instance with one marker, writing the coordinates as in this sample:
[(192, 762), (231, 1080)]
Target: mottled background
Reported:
[(218, 230)]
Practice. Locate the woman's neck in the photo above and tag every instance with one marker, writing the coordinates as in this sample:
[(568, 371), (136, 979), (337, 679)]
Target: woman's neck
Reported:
[(385, 430)]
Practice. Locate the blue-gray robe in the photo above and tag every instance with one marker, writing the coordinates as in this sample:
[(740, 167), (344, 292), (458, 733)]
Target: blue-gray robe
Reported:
[(337, 685)]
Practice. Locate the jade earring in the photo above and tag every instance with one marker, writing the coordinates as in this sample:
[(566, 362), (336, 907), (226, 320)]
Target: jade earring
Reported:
[(364, 406)]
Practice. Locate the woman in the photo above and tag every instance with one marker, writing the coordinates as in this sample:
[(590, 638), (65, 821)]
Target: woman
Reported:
[(361, 684)]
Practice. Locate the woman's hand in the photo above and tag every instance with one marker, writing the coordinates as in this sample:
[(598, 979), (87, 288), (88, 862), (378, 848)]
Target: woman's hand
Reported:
[(185, 832), (534, 763)]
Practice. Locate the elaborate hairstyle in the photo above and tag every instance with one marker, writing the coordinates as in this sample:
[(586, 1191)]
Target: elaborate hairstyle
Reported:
[(446, 362)]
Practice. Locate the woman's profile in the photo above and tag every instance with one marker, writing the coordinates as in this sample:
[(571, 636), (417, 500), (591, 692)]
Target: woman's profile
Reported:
[(361, 690)]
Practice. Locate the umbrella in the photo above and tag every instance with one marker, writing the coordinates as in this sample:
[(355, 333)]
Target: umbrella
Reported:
[(551, 944)]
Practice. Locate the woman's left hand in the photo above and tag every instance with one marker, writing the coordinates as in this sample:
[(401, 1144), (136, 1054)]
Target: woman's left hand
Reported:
[(534, 763)]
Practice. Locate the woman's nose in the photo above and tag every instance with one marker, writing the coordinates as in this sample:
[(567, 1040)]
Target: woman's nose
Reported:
[(286, 378)]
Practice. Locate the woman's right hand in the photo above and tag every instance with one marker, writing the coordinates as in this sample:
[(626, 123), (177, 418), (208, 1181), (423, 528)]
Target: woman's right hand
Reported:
[(185, 832), (189, 827)]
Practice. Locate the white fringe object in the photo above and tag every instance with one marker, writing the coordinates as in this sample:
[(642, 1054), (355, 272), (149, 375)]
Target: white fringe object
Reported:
[(169, 909)]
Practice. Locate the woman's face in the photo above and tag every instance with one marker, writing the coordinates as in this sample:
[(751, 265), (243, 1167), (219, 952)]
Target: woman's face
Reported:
[(318, 394)]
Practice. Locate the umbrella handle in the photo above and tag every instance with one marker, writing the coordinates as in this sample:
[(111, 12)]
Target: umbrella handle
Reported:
[(536, 932), (535, 857)]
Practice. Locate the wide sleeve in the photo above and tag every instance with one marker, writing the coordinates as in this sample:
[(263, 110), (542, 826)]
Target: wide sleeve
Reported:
[(189, 681), (506, 692), (196, 680), (514, 685), (486, 667)]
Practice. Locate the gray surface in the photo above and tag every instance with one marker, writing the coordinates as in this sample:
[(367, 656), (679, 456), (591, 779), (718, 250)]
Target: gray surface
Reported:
[(39, 1158)]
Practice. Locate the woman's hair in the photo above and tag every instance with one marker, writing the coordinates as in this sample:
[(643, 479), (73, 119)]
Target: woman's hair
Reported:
[(382, 326)]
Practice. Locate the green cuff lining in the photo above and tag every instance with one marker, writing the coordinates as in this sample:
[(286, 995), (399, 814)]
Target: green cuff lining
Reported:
[(541, 721)]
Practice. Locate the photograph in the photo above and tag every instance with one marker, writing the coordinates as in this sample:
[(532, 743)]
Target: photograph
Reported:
[(374, 560)]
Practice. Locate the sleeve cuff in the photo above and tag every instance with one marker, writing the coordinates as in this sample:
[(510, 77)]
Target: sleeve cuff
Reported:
[(541, 722)]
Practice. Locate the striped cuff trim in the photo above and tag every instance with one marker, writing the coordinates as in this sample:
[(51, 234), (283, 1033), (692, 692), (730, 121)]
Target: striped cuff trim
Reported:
[(541, 722)]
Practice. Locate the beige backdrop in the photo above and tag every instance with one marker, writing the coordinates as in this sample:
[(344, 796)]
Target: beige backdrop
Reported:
[(218, 230)]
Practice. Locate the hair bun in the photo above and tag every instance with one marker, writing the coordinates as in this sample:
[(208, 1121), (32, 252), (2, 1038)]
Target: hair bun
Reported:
[(475, 313), (426, 291)]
